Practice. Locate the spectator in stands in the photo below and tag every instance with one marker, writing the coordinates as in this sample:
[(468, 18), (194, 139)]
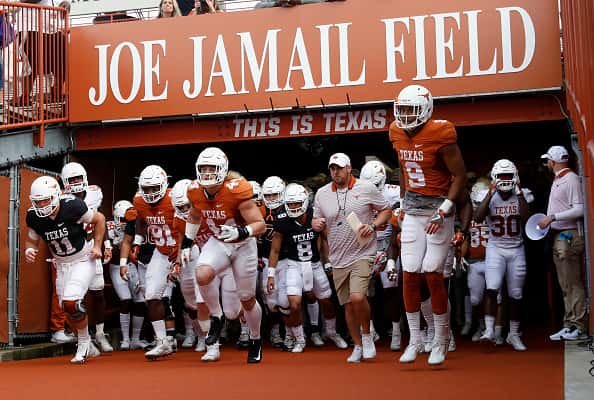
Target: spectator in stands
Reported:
[(168, 9), (288, 3), (185, 6), (6, 37), (205, 7)]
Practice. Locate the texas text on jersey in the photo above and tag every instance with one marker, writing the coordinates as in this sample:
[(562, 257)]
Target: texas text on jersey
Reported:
[(64, 234), (158, 218), (300, 241), (223, 207)]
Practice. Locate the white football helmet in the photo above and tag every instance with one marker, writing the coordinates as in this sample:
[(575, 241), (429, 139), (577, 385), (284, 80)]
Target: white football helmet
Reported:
[(375, 172), (42, 189), (152, 183), (212, 156), (478, 192), (296, 200), (505, 175), (257, 189), (413, 107), (273, 191), (71, 171), (179, 198), (119, 210)]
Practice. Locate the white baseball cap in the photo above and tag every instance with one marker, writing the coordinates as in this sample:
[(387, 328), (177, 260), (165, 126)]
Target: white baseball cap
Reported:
[(557, 154), (340, 159)]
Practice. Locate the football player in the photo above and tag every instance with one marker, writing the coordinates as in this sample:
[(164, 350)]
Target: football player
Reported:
[(225, 206), (155, 220), (74, 179), (60, 222), (432, 180), (505, 208), (305, 272), (130, 293), (375, 172)]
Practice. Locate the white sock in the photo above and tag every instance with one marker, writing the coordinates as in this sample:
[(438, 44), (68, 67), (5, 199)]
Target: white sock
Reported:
[(210, 294), (137, 321), (313, 310), (467, 310), (245, 328), (188, 325), (498, 329), (427, 311), (330, 326), (395, 328), (99, 329), (414, 325), (514, 327), (196, 327), (442, 327), (253, 318), (489, 322), (204, 325), (160, 331), (298, 333), (83, 334), (125, 326)]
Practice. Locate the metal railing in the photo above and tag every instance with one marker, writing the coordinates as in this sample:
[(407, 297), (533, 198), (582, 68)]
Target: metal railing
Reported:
[(34, 64)]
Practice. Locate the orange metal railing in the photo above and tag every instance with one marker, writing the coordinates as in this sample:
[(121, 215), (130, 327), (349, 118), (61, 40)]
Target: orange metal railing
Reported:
[(34, 66)]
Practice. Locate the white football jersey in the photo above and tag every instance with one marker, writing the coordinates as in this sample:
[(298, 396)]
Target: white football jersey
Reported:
[(505, 223), (94, 197), (392, 195), (115, 233)]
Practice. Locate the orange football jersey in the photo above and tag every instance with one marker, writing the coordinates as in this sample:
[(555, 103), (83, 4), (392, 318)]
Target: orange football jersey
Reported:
[(424, 172), (223, 208), (479, 237), (201, 237), (159, 223)]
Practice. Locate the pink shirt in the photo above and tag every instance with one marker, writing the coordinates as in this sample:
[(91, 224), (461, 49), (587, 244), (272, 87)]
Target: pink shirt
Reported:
[(566, 192)]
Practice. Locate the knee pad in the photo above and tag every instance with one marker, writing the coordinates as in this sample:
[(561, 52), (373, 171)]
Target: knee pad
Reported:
[(75, 309), (169, 314), (515, 293)]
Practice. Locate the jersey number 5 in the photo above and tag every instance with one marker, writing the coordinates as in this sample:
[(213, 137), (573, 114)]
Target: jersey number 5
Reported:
[(416, 177)]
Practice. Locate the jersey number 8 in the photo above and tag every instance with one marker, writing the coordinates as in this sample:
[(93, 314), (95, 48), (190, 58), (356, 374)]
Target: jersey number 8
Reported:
[(416, 177)]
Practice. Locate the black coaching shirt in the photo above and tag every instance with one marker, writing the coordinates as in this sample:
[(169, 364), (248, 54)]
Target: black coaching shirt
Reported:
[(64, 234), (300, 241)]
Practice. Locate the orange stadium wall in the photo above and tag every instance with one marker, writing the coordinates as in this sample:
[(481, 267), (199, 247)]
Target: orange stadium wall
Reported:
[(578, 31), (34, 279), (4, 260), (328, 54)]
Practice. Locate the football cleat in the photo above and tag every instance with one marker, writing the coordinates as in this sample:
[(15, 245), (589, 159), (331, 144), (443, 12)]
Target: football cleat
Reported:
[(243, 342), (357, 355), (200, 344), (162, 349), (411, 352), (212, 353), (316, 339), (103, 343), (138, 344), (499, 340), (466, 328), (255, 351), (288, 343), (451, 344), (428, 336), (338, 341), (216, 326), (516, 342), (173, 343), (125, 345), (368, 347), (188, 341), (299, 347), (488, 335), (84, 350), (62, 337), (438, 354), (476, 337), (574, 334), (395, 343)]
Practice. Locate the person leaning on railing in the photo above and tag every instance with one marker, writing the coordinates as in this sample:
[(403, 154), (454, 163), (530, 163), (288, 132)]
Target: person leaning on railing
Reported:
[(205, 7), (288, 3), (168, 9)]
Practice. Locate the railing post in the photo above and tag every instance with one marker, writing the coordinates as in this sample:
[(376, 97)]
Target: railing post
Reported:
[(13, 253)]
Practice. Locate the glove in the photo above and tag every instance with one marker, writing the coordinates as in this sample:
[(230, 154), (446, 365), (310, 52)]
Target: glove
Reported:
[(435, 223), (391, 270), (328, 268), (233, 233), (133, 256), (458, 238)]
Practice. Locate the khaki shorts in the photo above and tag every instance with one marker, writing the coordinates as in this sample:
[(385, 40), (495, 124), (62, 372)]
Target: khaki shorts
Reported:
[(352, 279)]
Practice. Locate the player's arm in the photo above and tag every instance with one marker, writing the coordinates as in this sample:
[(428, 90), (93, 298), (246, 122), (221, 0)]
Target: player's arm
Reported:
[(254, 223), (275, 246), (524, 208), (31, 246), (192, 227), (465, 216), (483, 209)]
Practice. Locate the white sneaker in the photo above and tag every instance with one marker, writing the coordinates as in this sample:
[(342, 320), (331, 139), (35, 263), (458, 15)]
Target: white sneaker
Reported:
[(136, 344), (84, 350), (476, 337), (276, 340), (410, 353), (573, 334), (316, 339), (162, 349), (516, 342), (559, 335), (466, 328), (125, 345), (438, 354), (188, 341), (62, 337), (338, 341), (488, 335), (428, 337), (395, 343), (499, 340), (368, 347), (299, 347), (200, 344), (356, 355), (212, 353), (451, 344), (103, 343)]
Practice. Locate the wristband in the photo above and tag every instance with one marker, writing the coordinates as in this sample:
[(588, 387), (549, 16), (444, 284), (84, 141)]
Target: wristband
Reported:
[(191, 230), (138, 240), (244, 232), (107, 244), (447, 206), (186, 243), (123, 262), (271, 272), (553, 217)]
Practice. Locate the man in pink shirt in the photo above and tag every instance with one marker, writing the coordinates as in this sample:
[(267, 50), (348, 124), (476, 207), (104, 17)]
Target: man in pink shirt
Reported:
[(565, 217)]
